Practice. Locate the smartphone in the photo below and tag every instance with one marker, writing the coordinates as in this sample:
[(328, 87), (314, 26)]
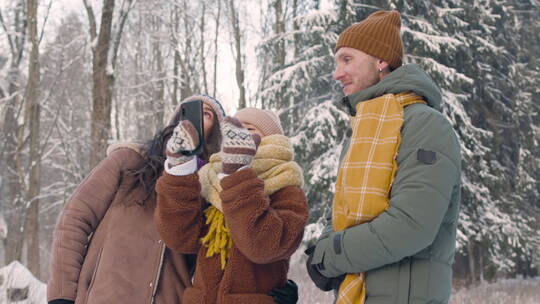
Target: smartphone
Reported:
[(193, 111)]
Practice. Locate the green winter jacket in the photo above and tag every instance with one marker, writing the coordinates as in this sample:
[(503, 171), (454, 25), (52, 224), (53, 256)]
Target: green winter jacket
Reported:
[(407, 251)]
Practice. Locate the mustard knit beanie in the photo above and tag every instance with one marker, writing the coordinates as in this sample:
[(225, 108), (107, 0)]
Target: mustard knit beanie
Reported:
[(264, 120), (378, 35)]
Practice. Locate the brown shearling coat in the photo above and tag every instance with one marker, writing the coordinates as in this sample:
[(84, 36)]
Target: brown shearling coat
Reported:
[(266, 230), (106, 248)]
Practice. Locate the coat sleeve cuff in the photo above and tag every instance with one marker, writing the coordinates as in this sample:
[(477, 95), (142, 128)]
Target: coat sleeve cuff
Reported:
[(186, 168), (61, 301), (237, 177), (329, 256), (169, 180), (222, 175), (240, 185)]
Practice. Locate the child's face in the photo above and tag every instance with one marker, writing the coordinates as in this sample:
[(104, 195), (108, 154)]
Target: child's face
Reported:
[(252, 129)]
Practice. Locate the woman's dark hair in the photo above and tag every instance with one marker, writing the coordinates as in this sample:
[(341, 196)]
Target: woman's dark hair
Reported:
[(151, 168)]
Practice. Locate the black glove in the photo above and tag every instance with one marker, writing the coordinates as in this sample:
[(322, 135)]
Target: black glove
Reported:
[(285, 295), (322, 282), (61, 301)]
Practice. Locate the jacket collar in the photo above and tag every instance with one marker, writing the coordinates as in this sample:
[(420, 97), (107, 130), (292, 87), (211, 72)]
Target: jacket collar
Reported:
[(409, 77)]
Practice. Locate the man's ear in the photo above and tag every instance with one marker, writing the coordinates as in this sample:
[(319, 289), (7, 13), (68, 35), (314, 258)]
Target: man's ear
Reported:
[(383, 66)]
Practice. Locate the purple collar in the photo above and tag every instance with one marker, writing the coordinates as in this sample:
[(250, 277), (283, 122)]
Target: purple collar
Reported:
[(200, 162)]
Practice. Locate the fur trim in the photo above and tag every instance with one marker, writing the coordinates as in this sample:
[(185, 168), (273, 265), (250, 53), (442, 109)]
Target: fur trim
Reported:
[(135, 146)]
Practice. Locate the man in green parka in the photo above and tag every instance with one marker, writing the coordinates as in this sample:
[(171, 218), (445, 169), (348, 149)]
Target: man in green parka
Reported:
[(404, 252)]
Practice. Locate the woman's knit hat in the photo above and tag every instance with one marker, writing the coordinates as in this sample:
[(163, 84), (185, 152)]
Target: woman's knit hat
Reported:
[(378, 35), (264, 120), (211, 101)]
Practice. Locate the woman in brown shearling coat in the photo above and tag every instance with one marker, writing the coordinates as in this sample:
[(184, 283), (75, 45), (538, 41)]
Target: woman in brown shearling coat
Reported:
[(106, 248), (258, 194)]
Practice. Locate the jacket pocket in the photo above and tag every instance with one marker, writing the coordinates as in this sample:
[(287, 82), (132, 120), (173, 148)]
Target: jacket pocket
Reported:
[(247, 298), (389, 284), (93, 279), (431, 281)]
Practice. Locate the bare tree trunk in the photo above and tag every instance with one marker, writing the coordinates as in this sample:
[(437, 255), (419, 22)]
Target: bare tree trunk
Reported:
[(174, 17), (117, 120), (159, 94), (186, 72), (264, 64), (16, 40), (481, 264), (235, 24), (296, 28), (174, 95), (187, 66), (31, 226), (101, 91), (105, 53), (279, 28), (203, 54), (282, 101), (470, 253), (293, 113), (216, 47), (139, 106)]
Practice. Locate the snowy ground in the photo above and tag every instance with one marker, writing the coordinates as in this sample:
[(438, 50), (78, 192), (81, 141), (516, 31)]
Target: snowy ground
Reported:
[(19, 286), (16, 283), (503, 292)]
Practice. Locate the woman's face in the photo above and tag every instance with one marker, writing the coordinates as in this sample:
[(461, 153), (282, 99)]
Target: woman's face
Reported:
[(252, 129), (208, 120)]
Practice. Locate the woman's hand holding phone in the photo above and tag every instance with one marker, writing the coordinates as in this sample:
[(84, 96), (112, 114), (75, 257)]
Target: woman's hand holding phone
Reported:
[(184, 138)]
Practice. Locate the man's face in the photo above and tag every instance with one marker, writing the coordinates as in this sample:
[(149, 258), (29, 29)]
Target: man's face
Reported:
[(355, 70)]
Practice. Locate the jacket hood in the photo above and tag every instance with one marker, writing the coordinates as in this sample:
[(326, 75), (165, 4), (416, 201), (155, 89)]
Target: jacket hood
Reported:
[(409, 77)]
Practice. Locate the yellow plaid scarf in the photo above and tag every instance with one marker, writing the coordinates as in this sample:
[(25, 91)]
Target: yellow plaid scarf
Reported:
[(367, 172), (273, 163)]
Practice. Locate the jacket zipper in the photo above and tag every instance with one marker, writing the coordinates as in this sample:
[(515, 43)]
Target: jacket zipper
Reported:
[(158, 272)]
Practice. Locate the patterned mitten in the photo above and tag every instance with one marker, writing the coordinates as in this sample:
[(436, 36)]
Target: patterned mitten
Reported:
[(184, 138), (238, 146)]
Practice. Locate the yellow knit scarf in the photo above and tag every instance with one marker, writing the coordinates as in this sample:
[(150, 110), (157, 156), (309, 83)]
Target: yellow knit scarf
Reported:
[(367, 172), (273, 163)]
